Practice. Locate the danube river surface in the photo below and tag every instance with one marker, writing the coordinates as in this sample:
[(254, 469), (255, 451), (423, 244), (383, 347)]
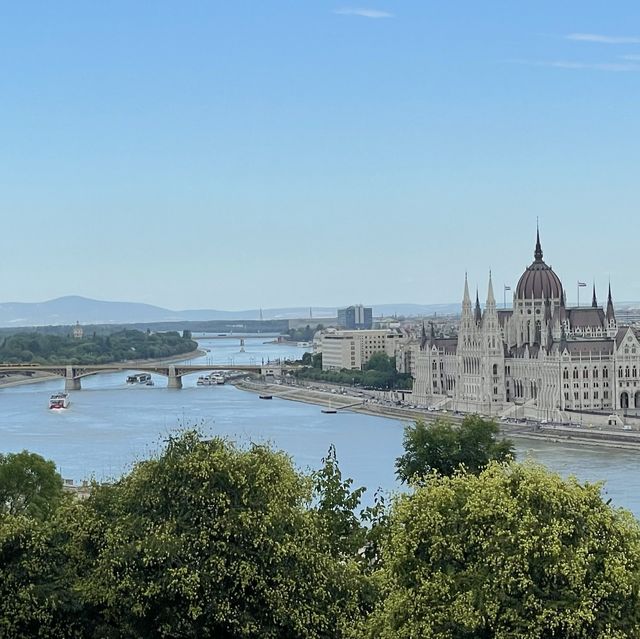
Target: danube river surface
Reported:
[(110, 424)]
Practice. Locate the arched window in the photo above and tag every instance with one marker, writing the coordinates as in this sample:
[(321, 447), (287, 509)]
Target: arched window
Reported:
[(495, 369), (565, 373), (585, 373), (575, 373), (626, 371), (595, 373), (634, 371), (620, 371), (605, 372)]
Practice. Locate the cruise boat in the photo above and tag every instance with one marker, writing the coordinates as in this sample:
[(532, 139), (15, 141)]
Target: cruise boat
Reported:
[(212, 379), (59, 400), (218, 378), (139, 378)]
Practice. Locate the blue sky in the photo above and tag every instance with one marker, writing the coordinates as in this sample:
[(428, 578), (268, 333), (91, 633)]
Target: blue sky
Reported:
[(308, 152)]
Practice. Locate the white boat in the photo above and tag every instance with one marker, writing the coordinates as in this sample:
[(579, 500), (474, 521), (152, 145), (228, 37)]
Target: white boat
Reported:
[(303, 344), (139, 378), (217, 378), (212, 379), (59, 400)]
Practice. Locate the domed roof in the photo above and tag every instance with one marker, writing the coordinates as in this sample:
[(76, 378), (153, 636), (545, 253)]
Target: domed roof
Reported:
[(539, 281)]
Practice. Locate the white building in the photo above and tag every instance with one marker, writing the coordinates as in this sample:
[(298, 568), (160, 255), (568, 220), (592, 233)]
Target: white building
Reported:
[(540, 355), (353, 349)]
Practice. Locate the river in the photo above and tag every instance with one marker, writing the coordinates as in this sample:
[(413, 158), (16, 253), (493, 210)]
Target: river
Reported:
[(110, 424)]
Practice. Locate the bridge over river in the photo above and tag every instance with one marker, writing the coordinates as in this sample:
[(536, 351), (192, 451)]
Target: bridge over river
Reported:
[(73, 373)]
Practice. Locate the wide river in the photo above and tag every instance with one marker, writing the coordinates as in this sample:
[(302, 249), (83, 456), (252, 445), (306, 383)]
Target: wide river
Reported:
[(109, 425)]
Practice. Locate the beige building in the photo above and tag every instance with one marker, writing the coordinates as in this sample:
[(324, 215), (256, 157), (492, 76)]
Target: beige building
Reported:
[(541, 358), (353, 349)]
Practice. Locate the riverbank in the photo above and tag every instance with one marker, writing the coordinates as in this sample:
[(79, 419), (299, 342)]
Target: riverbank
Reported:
[(599, 438), (20, 379)]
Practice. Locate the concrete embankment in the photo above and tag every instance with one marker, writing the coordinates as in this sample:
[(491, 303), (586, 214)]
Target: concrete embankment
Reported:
[(563, 435)]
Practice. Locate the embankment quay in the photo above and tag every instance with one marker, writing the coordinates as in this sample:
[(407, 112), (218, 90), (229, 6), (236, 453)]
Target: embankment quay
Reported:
[(371, 404)]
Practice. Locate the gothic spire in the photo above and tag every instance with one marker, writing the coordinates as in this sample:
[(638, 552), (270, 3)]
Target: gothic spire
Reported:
[(594, 301), (423, 337), (491, 300), (538, 252), (478, 313), (466, 299), (610, 312)]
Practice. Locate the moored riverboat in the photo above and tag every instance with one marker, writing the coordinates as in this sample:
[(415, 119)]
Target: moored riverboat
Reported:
[(139, 378)]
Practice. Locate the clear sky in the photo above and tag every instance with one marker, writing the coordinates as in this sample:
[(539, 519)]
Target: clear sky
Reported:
[(309, 152)]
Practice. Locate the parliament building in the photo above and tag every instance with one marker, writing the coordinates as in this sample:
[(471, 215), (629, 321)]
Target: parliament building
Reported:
[(538, 359)]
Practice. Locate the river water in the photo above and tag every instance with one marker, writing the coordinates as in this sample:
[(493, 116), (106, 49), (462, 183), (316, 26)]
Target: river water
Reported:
[(110, 424)]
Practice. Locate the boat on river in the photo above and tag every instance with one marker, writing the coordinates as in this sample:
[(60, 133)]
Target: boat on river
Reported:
[(139, 378), (265, 396), (59, 400), (212, 379)]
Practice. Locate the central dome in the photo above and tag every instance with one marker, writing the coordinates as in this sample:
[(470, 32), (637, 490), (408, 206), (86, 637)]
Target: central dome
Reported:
[(539, 281)]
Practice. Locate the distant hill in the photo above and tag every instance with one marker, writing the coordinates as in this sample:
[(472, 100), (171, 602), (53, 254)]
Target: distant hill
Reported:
[(71, 309)]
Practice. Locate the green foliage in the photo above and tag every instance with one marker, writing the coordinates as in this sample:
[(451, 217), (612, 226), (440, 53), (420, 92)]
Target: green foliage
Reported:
[(442, 447), (381, 362), (41, 348), (36, 594), (515, 552), (303, 334), (380, 373), (209, 540), (29, 485), (336, 503)]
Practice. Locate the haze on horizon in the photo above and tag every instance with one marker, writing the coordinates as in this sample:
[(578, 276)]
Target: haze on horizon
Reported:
[(245, 155)]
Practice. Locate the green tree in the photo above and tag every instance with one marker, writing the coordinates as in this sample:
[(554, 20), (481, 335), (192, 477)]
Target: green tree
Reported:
[(210, 540), (381, 362), (443, 447), (513, 552), (29, 485), (336, 504)]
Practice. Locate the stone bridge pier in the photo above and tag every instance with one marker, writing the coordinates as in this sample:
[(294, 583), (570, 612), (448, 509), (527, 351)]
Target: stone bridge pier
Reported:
[(71, 382), (175, 380)]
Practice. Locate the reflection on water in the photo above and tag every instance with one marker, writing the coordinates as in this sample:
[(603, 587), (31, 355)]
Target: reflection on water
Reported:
[(111, 424)]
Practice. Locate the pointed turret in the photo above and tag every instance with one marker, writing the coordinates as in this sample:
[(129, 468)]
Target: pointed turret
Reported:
[(594, 300), (478, 311), (537, 254), (491, 300), (563, 309), (611, 316), (423, 337)]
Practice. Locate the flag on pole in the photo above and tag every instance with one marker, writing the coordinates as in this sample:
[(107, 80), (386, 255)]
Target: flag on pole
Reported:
[(581, 284), (507, 288)]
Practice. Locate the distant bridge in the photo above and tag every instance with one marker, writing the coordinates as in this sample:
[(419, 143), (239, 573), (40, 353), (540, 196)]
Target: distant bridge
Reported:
[(73, 373)]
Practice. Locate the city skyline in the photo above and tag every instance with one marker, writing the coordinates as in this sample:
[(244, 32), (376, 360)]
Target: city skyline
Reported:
[(293, 155)]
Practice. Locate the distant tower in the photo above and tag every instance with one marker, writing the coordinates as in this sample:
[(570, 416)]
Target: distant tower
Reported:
[(77, 331), (310, 313), (260, 314), (242, 344)]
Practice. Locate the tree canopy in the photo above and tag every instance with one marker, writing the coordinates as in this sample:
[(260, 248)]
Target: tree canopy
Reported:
[(42, 348), (29, 484), (515, 551), (443, 447)]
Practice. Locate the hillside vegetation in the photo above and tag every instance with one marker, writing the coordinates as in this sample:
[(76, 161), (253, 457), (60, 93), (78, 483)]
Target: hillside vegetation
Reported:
[(38, 348)]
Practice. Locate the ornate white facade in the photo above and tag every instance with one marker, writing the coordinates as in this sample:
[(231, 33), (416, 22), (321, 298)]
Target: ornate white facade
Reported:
[(539, 355)]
